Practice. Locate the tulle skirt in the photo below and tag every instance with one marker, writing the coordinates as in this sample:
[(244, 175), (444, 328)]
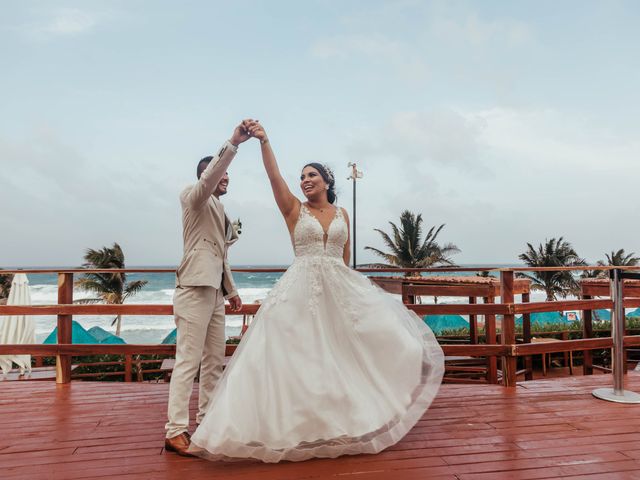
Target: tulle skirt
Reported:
[(331, 365)]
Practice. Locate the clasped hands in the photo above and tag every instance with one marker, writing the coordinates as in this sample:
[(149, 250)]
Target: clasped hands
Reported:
[(246, 129)]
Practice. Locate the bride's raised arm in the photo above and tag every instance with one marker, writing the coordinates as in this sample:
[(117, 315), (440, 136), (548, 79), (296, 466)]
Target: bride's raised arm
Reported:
[(287, 202)]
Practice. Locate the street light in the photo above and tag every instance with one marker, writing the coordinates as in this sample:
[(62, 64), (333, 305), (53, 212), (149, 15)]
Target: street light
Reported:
[(355, 174)]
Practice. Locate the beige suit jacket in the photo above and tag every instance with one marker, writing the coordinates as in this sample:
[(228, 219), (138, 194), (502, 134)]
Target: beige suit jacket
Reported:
[(206, 230)]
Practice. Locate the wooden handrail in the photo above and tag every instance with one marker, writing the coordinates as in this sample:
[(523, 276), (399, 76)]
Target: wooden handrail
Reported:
[(509, 350), (86, 349), (367, 270), (252, 309), (603, 268), (538, 307), (107, 309), (460, 309)]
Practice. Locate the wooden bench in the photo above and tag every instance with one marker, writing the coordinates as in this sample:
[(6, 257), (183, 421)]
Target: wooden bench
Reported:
[(544, 355)]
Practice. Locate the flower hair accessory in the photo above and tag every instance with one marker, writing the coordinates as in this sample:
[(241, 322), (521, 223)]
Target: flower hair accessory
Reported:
[(329, 173)]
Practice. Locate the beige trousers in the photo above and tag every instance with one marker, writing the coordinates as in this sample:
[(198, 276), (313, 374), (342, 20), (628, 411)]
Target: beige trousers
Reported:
[(199, 316)]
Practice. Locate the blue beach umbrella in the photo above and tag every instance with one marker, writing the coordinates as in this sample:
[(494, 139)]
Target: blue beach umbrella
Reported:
[(105, 337), (439, 323), (602, 315), (635, 313), (172, 338), (543, 318), (78, 335)]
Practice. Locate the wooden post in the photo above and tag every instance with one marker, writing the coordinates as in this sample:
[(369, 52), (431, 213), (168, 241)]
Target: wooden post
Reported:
[(565, 355), (473, 324), (65, 297), (405, 296), (127, 367), (587, 332), (490, 335), (508, 336), (526, 338), (625, 355), (139, 372)]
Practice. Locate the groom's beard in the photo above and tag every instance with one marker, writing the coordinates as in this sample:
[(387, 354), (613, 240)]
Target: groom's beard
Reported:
[(219, 191)]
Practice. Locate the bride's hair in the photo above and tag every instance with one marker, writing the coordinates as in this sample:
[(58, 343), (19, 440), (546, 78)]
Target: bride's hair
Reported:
[(327, 176)]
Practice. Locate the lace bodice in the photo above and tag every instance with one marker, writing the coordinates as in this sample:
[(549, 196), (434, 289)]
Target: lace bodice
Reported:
[(308, 235)]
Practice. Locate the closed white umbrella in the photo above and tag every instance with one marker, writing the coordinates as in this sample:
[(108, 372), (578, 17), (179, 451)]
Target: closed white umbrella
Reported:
[(17, 329)]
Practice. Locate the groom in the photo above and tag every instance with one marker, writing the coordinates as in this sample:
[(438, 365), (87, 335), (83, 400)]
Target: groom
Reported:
[(203, 282)]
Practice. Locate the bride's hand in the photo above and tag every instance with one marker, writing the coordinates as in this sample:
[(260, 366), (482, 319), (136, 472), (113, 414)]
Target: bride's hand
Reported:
[(256, 130)]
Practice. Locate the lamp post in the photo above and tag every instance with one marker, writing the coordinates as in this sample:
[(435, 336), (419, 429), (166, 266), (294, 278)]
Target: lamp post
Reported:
[(355, 174)]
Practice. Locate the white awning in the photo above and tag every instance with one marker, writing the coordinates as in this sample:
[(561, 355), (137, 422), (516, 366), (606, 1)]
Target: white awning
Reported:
[(17, 329)]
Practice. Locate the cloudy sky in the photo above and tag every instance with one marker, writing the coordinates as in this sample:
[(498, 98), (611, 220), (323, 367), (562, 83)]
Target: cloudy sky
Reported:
[(510, 122)]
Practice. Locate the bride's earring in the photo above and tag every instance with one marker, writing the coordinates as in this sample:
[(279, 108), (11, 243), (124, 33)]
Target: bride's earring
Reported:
[(326, 187)]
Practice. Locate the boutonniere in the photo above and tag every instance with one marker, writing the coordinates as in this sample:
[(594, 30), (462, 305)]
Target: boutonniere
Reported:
[(237, 226)]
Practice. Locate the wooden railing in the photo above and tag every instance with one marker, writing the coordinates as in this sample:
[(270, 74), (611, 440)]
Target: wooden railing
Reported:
[(508, 350)]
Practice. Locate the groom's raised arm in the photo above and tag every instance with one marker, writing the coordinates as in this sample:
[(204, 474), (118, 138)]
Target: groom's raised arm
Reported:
[(216, 169)]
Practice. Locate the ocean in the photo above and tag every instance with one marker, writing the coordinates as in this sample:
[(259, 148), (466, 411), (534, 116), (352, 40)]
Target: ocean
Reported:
[(152, 329), (144, 329)]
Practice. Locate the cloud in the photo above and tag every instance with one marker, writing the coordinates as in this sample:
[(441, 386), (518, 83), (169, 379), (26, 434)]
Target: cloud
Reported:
[(381, 52), (70, 21), (62, 201), (61, 22), (417, 139), (499, 178), (344, 46), (436, 39), (470, 29)]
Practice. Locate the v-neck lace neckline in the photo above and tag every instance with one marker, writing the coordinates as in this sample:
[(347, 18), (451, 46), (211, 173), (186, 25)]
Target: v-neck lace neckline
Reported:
[(309, 237), (326, 232)]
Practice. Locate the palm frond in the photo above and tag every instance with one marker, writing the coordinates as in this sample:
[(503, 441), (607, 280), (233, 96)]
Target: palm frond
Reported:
[(390, 243), (407, 248), (133, 288), (392, 259), (84, 301), (554, 252)]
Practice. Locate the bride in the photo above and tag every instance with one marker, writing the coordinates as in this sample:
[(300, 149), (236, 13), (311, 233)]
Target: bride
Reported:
[(331, 365)]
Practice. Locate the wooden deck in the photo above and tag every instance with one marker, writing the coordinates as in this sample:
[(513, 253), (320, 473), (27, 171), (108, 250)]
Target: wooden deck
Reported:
[(541, 429)]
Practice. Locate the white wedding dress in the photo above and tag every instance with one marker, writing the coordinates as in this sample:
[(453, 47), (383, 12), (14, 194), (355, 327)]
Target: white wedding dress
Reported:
[(331, 365)]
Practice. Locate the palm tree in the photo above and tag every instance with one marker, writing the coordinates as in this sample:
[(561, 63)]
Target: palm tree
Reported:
[(553, 253), (619, 259), (110, 288), (408, 250)]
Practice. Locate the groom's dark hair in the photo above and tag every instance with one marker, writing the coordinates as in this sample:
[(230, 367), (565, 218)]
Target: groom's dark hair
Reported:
[(202, 164)]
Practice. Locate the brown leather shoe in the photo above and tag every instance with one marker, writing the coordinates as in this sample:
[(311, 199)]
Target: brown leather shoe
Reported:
[(178, 444)]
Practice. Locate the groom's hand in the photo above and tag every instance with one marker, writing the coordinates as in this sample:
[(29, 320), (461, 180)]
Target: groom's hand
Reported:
[(255, 130), (235, 303), (241, 134)]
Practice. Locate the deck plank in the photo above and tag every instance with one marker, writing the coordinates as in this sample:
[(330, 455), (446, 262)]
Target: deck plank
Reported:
[(552, 428)]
